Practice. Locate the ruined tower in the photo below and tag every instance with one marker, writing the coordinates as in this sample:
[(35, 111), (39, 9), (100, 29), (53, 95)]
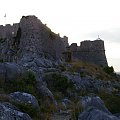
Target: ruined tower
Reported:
[(29, 39), (90, 51)]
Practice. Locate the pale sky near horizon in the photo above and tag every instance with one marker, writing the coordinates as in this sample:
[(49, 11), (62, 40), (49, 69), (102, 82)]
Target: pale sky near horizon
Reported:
[(78, 19)]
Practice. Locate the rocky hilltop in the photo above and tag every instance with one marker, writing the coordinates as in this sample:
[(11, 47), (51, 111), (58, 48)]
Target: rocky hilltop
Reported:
[(29, 38), (43, 78), (32, 39)]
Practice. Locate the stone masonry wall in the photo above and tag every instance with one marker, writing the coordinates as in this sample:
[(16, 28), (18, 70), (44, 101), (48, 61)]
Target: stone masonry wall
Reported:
[(65, 41), (37, 39), (8, 30), (90, 51), (29, 38)]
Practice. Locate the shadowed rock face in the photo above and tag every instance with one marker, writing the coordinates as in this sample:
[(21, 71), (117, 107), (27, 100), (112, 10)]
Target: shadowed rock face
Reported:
[(11, 71), (95, 114), (94, 102), (94, 109), (25, 98), (10, 112)]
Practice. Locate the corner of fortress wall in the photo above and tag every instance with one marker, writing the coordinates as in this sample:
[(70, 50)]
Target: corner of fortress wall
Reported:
[(8, 30), (65, 41), (90, 51), (92, 45), (39, 37)]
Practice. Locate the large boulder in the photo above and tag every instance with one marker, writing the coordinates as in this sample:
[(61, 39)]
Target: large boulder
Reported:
[(87, 84), (46, 93), (82, 84), (25, 98), (90, 84), (93, 113), (94, 109), (10, 112), (13, 71), (74, 77), (94, 102), (10, 71)]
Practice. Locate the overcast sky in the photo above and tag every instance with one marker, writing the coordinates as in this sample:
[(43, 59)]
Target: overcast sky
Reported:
[(78, 19)]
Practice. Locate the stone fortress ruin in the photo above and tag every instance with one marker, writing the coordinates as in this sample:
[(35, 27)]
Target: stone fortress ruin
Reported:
[(31, 39), (88, 51)]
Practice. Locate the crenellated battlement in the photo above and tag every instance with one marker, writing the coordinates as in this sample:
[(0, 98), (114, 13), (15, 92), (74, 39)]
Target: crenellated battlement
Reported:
[(65, 41), (89, 51), (92, 45), (8, 30)]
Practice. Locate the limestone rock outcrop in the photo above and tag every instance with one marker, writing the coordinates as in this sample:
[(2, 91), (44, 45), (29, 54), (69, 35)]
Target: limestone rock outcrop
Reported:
[(94, 102), (24, 98), (95, 114), (10, 112), (94, 109), (11, 71), (46, 93)]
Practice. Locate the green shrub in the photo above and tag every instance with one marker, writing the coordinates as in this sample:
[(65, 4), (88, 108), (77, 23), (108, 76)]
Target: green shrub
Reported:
[(26, 108), (76, 112), (26, 84), (2, 82), (36, 114), (45, 108), (62, 67), (82, 74), (112, 102), (4, 97), (109, 70), (1, 60), (57, 82), (29, 78), (76, 109), (58, 95)]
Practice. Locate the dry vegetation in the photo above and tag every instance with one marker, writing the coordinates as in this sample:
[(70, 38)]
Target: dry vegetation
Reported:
[(60, 86), (93, 70)]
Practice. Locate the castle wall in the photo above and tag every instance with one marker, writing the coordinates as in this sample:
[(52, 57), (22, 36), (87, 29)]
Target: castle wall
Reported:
[(91, 51), (96, 57), (59, 47), (7, 42), (8, 30), (65, 41), (39, 39), (29, 38), (92, 45), (73, 47)]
